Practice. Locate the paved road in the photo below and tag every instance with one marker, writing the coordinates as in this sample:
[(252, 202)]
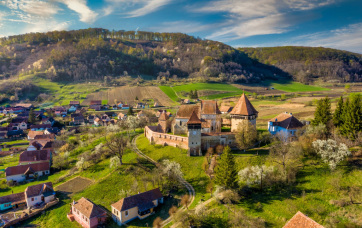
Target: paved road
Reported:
[(187, 185)]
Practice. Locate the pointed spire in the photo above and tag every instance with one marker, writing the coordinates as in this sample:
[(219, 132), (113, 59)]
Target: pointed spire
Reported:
[(194, 119), (244, 107)]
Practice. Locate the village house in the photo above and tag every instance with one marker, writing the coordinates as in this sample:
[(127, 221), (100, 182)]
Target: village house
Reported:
[(186, 101), (141, 105), (15, 134), (40, 127), (60, 111), (32, 134), (96, 105), (122, 116), (77, 119), (72, 108), (52, 130), (120, 105), (21, 173), (91, 118), (87, 213), (125, 106), (47, 120), (19, 123), (35, 156), (12, 201), (74, 103), (39, 194), (300, 220), (285, 125), (115, 107), (137, 206)]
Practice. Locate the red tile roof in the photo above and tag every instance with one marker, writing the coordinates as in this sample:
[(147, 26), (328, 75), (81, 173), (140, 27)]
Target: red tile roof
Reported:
[(244, 107), (194, 119), (287, 121), (225, 108), (13, 198), (209, 107), (36, 190), (88, 208), (21, 169), (96, 102), (33, 134), (36, 155), (138, 200), (300, 220), (185, 111)]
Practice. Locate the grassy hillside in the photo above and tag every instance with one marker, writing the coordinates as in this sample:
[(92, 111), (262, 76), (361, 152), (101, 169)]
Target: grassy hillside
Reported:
[(292, 87)]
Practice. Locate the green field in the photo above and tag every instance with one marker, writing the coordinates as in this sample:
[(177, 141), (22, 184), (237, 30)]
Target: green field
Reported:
[(219, 90), (169, 92), (292, 87)]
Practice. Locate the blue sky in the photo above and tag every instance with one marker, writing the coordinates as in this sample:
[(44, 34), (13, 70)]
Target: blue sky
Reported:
[(240, 23)]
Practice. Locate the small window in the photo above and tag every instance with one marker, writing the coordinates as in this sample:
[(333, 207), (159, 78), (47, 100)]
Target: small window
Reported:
[(126, 213), (32, 199)]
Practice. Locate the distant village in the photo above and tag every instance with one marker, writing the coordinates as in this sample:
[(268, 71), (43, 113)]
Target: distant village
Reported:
[(194, 127)]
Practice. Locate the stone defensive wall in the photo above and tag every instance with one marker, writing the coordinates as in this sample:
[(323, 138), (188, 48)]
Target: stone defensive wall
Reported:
[(165, 139)]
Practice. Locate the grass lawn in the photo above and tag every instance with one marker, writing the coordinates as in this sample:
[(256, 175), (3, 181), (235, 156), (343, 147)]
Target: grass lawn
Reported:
[(221, 90), (15, 142), (169, 92), (191, 166), (8, 161), (291, 86)]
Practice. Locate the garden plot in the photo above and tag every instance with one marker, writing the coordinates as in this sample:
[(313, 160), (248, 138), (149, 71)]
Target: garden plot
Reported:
[(74, 185)]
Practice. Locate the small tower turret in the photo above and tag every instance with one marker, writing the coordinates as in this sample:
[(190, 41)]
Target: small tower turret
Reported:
[(194, 135)]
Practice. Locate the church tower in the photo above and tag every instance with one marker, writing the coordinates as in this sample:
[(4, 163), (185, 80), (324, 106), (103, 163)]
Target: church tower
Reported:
[(243, 111), (163, 123), (194, 135)]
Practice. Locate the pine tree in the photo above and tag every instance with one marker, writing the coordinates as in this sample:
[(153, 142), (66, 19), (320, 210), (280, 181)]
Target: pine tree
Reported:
[(191, 94), (323, 113), (352, 117), (196, 96), (338, 113), (130, 111), (225, 173), (31, 118)]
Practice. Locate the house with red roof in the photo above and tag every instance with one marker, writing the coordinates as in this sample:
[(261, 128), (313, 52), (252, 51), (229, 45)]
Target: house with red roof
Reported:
[(29, 171), (35, 156), (301, 220), (139, 206), (39, 194), (87, 213)]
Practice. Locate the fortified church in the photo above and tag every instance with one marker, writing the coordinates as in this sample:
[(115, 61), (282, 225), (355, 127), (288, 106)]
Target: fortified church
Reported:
[(198, 127)]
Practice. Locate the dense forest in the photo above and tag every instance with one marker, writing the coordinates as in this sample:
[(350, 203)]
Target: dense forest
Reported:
[(92, 54), (307, 64)]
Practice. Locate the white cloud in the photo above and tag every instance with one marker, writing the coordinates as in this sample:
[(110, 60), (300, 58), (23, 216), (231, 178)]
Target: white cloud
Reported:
[(151, 6), (45, 26), (143, 7), (39, 8), (80, 6), (257, 17), (347, 38)]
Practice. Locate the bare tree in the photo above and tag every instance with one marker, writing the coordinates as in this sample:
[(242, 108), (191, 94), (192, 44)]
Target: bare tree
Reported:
[(185, 200), (157, 223), (117, 145)]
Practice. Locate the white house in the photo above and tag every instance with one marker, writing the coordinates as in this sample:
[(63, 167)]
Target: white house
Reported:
[(23, 172), (40, 193), (137, 206)]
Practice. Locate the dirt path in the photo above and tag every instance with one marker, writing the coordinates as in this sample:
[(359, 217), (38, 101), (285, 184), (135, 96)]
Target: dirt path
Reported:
[(187, 185)]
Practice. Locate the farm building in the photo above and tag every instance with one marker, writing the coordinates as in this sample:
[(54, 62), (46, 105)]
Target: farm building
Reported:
[(285, 125)]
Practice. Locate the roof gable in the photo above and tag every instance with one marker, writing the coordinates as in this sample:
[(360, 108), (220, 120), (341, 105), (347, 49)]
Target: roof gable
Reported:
[(36, 190), (209, 107), (185, 111), (287, 121), (88, 208), (244, 107), (21, 169), (138, 200), (300, 220), (194, 119)]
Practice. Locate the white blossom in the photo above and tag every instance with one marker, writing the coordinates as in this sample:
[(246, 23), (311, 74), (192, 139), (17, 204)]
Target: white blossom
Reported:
[(330, 152), (115, 162), (253, 174), (172, 168), (113, 128)]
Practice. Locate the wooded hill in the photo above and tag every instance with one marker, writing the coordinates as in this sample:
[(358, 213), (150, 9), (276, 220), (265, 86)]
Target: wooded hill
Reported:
[(91, 54), (307, 64)]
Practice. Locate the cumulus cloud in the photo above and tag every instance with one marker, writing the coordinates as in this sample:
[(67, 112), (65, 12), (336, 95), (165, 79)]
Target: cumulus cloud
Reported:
[(80, 6), (257, 17), (45, 26), (39, 8)]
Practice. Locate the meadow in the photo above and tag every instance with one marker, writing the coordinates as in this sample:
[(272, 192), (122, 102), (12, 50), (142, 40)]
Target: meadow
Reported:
[(292, 87)]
